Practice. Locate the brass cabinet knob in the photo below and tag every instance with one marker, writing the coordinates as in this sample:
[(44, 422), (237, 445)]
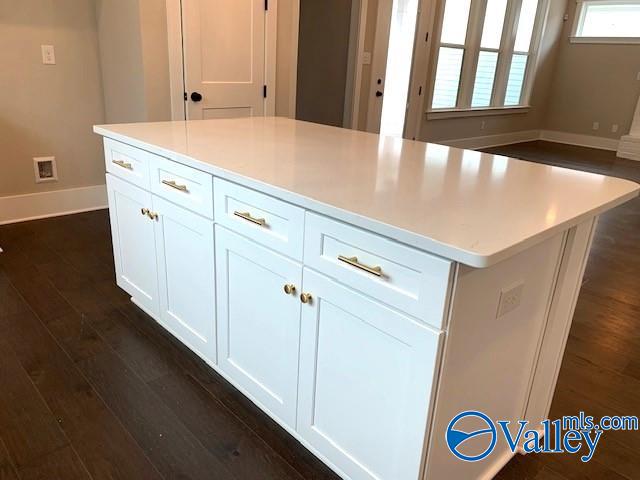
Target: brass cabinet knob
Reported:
[(152, 215), (289, 288), (144, 211), (305, 297)]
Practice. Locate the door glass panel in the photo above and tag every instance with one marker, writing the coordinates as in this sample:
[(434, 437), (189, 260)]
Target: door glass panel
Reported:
[(516, 79), (485, 75), (454, 23), (525, 25), (445, 92), (493, 23), (398, 72)]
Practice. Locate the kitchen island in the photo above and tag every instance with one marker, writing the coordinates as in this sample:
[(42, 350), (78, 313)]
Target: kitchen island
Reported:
[(361, 290)]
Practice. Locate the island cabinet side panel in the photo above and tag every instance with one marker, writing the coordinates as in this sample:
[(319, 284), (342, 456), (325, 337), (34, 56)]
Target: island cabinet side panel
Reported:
[(565, 297), (497, 320)]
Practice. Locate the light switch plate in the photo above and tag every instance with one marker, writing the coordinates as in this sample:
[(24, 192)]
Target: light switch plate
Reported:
[(510, 299), (48, 55)]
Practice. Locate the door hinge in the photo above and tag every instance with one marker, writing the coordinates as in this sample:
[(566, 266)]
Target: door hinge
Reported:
[(266, 5), (264, 91), (185, 96)]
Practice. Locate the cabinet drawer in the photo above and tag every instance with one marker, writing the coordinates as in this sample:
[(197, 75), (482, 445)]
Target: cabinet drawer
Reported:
[(273, 223), (127, 162), (182, 185), (408, 279)]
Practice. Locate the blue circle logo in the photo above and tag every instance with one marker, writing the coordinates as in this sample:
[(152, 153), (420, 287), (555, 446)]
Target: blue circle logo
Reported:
[(456, 438)]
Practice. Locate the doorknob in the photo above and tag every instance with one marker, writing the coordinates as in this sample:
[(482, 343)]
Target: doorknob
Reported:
[(378, 93), (196, 97)]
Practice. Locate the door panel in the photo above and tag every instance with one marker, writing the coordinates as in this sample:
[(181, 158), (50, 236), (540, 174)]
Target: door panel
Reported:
[(366, 376), (259, 324), (224, 53), (133, 242), (186, 276)]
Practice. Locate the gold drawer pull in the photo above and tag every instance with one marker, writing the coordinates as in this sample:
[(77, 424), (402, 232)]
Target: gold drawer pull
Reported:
[(289, 289), (173, 184), (123, 164), (353, 261), (247, 216), (306, 298)]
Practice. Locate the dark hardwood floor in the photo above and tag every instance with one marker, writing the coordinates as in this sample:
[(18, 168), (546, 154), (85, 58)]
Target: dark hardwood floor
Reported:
[(90, 387)]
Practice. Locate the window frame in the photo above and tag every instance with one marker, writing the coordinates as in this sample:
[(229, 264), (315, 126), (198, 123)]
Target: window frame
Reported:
[(578, 20), (505, 51)]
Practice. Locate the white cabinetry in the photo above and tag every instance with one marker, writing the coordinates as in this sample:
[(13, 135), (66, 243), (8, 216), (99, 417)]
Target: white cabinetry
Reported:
[(366, 380), (186, 268), (258, 322), (134, 245)]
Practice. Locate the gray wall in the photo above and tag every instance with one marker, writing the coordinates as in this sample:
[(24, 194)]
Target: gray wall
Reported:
[(444, 129), (49, 109), (323, 51), (593, 83), (134, 59)]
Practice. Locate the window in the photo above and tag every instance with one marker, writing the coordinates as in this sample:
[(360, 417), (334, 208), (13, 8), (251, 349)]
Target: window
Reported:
[(607, 21), (485, 53)]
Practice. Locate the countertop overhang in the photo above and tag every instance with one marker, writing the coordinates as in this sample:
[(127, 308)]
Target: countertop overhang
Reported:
[(471, 207)]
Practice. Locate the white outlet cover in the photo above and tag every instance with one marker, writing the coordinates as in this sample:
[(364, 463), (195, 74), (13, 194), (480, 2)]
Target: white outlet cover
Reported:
[(510, 299), (366, 58), (596, 125)]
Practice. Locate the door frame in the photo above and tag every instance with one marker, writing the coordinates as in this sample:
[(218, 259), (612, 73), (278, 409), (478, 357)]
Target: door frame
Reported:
[(176, 58), (356, 66)]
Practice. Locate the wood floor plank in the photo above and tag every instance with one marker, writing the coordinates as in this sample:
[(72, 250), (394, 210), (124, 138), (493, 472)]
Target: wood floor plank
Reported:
[(7, 470), (174, 450), (29, 429), (61, 464), (103, 445), (237, 446)]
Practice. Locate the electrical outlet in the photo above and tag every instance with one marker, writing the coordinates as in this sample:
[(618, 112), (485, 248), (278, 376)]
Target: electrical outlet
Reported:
[(366, 58), (614, 128), (510, 299), (48, 55), (638, 76), (596, 125), (482, 125)]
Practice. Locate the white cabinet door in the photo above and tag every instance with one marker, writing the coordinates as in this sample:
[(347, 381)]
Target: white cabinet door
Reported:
[(258, 323), (186, 269), (134, 245), (366, 381)]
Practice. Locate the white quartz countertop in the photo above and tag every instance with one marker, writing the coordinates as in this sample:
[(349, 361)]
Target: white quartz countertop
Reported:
[(468, 206)]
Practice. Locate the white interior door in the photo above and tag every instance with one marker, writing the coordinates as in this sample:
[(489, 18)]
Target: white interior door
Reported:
[(225, 53)]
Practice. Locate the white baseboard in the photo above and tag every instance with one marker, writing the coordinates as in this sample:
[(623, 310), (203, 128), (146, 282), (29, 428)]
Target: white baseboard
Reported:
[(488, 141), (590, 141), (629, 147), (32, 206)]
